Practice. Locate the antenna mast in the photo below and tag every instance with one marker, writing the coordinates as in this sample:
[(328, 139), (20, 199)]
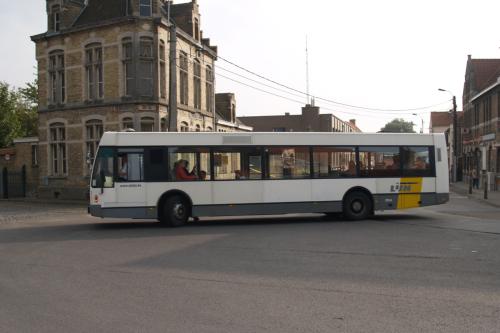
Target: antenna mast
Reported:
[(307, 70)]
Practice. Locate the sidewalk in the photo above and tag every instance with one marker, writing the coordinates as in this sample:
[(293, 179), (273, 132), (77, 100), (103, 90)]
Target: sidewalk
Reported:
[(463, 189)]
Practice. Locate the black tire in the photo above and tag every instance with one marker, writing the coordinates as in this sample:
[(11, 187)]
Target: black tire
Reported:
[(357, 206), (175, 211)]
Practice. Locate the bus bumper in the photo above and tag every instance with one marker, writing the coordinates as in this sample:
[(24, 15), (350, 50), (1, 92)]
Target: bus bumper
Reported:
[(143, 213), (95, 210)]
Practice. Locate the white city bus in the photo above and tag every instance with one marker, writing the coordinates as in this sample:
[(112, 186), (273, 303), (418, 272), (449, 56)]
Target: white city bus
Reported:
[(172, 177)]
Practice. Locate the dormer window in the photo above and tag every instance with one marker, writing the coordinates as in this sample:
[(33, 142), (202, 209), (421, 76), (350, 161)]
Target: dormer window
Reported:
[(55, 19), (196, 29), (145, 8)]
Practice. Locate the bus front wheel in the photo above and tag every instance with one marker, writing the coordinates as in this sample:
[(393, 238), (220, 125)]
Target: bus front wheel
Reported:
[(357, 206), (175, 211)]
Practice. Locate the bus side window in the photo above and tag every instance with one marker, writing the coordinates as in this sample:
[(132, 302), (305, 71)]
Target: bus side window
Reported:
[(130, 165), (242, 163), (156, 166), (380, 161), (189, 164), (417, 162), (288, 162)]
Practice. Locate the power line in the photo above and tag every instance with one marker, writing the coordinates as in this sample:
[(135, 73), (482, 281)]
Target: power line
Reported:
[(300, 96), (325, 99), (299, 102)]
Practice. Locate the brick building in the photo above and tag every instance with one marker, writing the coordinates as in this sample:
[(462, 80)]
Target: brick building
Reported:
[(14, 161), (114, 65), (310, 120), (481, 103), (225, 107)]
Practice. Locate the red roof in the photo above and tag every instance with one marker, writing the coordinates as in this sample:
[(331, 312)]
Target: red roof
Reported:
[(486, 72), (440, 119)]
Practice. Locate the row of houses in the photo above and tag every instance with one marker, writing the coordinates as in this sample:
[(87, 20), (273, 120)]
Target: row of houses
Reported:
[(125, 64), (478, 126)]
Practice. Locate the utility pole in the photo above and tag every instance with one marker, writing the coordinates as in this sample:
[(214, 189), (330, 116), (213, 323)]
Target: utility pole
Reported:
[(307, 71), (172, 96), (455, 138)]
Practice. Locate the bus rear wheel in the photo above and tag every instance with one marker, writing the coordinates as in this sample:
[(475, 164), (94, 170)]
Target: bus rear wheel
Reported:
[(175, 211), (357, 206)]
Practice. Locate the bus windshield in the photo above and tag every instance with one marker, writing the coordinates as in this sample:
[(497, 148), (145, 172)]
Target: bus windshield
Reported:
[(103, 173)]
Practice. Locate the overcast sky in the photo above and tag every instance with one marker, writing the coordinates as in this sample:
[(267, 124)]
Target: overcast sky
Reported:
[(384, 54)]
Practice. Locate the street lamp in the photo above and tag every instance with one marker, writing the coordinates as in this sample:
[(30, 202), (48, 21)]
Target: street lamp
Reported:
[(455, 135), (422, 129)]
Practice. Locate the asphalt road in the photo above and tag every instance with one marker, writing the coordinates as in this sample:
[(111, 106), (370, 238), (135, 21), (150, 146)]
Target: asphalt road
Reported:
[(426, 270)]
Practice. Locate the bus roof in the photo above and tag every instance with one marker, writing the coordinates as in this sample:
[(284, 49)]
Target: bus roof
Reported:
[(138, 139)]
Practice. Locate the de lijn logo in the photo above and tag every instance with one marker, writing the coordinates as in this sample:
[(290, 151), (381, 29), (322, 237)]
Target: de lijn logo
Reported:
[(401, 187)]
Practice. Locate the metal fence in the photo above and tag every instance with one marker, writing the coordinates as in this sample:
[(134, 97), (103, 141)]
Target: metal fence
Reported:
[(13, 184)]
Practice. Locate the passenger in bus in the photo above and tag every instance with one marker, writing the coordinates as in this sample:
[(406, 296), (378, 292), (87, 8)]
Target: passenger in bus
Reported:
[(420, 163), (240, 175), (123, 168), (351, 171), (203, 175), (395, 163), (182, 173)]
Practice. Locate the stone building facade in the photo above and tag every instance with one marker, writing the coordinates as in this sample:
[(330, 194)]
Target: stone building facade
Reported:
[(115, 65), (310, 120), (481, 133)]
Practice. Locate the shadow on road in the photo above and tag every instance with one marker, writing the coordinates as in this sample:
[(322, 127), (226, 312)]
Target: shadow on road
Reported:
[(144, 229)]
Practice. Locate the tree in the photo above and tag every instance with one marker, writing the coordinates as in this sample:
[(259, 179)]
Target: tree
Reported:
[(27, 111), (18, 112), (398, 125), (9, 126)]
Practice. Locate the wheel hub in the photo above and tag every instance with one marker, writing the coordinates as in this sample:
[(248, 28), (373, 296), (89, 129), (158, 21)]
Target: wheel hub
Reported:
[(357, 206), (179, 211)]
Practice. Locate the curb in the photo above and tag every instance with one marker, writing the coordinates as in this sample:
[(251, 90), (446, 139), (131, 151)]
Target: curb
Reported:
[(46, 202), (473, 197)]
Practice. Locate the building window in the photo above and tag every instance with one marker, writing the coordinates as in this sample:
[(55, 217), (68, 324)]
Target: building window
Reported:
[(163, 124), (55, 19), (197, 84), (196, 29), (487, 115), (184, 127), (94, 72), (34, 155), (57, 79), (145, 8), (198, 128), (209, 129), (146, 66), (94, 131), (163, 71), (127, 123), (476, 118), (128, 66), (183, 79), (279, 129), (57, 144), (209, 89), (147, 124)]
